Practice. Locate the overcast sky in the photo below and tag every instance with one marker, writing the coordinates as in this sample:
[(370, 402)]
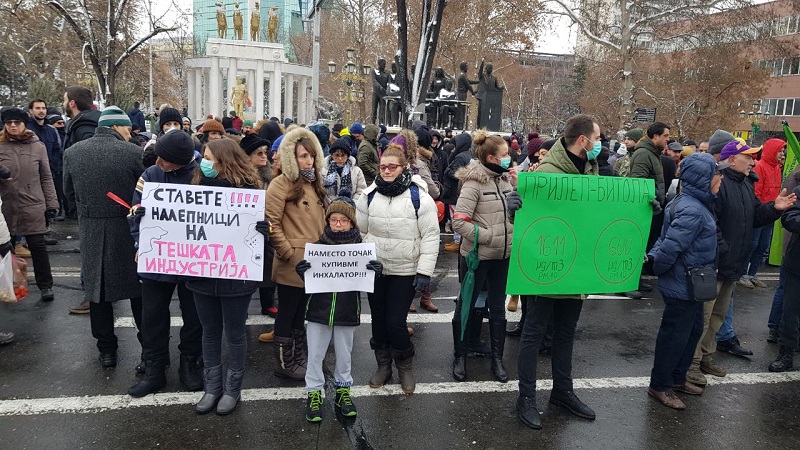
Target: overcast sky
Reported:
[(559, 39)]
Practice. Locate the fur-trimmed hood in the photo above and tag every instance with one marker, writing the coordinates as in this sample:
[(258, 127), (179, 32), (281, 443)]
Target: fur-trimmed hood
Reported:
[(286, 152), (478, 172), (27, 138), (425, 153)]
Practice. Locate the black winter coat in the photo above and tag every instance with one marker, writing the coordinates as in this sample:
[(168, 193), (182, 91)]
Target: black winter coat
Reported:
[(738, 211), (81, 127), (460, 158), (334, 309), (791, 222), (220, 287)]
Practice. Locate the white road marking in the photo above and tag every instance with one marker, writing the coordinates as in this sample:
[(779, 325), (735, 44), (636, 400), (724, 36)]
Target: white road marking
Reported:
[(101, 403)]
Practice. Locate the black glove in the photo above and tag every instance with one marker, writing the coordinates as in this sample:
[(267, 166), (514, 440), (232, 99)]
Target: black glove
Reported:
[(137, 212), (376, 267), (5, 173), (50, 214), (301, 268), (262, 226), (656, 207), (422, 282), (513, 202)]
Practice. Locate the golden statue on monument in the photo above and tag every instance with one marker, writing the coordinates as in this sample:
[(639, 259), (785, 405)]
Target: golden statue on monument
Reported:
[(255, 23), (239, 96), (238, 22), (272, 25), (222, 21)]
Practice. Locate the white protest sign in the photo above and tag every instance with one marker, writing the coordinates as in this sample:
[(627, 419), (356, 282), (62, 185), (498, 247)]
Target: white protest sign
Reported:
[(339, 268), (201, 231)]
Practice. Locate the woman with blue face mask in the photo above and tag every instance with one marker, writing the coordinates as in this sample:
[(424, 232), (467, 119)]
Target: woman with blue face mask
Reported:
[(487, 201)]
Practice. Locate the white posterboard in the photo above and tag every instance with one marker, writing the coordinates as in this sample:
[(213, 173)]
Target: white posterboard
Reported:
[(201, 231), (339, 268)]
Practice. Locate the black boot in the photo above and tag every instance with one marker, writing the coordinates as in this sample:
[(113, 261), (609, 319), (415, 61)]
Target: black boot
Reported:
[(517, 330), (784, 361), (154, 379), (140, 367), (473, 344), (189, 372), (287, 367), (497, 334), (232, 392), (300, 347), (527, 412), (459, 353)]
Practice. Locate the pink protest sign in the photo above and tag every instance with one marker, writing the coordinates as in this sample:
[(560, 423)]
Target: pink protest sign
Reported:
[(201, 231)]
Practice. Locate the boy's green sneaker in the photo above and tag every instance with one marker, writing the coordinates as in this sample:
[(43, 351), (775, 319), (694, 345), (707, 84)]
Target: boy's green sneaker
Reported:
[(313, 411), (345, 403)]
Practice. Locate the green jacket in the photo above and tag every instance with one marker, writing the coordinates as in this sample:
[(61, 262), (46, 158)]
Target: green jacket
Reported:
[(368, 153), (646, 163), (557, 161)]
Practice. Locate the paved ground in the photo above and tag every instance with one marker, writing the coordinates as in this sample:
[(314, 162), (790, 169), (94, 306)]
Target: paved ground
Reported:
[(53, 393)]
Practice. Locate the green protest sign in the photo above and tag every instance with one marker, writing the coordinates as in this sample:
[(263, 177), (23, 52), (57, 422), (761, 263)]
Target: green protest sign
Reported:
[(579, 234)]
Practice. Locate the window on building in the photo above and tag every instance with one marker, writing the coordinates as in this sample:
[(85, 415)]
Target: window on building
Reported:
[(796, 109), (793, 24), (789, 107), (772, 106), (779, 110), (777, 65)]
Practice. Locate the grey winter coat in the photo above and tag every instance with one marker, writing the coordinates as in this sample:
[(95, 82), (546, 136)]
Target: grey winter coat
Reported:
[(101, 164)]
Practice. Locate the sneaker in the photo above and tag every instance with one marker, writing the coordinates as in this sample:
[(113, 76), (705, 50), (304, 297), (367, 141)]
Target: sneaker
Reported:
[(313, 406), (267, 337), (708, 367), (6, 337), (22, 251), (345, 403), (773, 336), (757, 283), (452, 247), (745, 282), (272, 312), (82, 308), (636, 295)]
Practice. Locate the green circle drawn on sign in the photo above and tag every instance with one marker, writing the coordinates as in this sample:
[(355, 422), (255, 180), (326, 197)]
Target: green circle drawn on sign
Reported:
[(554, 226), (621, 228)]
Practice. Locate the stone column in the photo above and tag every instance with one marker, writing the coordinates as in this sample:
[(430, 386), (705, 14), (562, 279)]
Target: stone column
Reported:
[(206, 93), (275, 90), (197, 112), (233, 69), (191, 91), (251, 89), (258, 97), (214, 88), (302, 100), (288, 106)]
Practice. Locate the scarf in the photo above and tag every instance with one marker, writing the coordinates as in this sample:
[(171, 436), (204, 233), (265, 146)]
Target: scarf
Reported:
[(393, 188), (338, 177), (308, 174), (330, 237), (495, 168)]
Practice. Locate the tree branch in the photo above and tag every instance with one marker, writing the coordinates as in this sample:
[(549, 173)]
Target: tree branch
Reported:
[(584, 27), (132, 48)]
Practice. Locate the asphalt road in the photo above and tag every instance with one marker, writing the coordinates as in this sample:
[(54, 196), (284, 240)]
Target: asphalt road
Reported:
[(55, 395)]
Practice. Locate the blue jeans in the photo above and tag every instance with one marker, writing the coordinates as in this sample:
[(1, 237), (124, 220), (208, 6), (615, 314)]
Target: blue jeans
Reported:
[(776, 312), (230, 313), (761, 240), (680, 331), (726, 330)]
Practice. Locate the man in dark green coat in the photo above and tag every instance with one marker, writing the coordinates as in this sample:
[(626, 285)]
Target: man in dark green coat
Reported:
[(646, 159)]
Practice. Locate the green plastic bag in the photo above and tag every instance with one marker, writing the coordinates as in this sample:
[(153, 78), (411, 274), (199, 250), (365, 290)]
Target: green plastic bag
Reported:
[(468, 284)]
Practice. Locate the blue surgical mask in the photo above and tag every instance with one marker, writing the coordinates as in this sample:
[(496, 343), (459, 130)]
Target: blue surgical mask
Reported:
[(596, 148), (208, 168), (505, 163)]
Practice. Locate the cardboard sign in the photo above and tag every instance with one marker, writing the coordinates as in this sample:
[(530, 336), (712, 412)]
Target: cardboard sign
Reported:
[(339, 268), (201, 231), (579, 234)]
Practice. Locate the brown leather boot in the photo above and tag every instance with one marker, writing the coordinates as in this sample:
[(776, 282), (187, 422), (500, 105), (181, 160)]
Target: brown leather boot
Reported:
[(425, 301), (404, 361), (384, 359)]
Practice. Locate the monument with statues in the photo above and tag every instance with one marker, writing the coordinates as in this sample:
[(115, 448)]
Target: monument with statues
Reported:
[(249, 73)]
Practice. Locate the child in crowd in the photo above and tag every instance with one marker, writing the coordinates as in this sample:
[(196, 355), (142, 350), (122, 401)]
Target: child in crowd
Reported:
[(333, 314)]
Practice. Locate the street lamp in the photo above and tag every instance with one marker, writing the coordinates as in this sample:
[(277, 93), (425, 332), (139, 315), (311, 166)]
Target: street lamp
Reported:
[(349, 75), (756, 117)]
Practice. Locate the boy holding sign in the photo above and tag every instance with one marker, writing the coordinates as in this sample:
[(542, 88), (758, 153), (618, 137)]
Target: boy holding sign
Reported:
[(333, 314)]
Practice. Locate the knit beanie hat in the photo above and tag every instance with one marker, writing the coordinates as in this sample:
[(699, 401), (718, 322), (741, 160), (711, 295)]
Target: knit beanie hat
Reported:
[(253, 142), (342, 144), (534, 143), (277, 143), (424, 138), (400, 141), (635, 134), (168, 115), (337, 128), (270, 131), (247, 123), (548, 144), (112, 116), (176, 147), (18, 114), (344, 205), (213, 125), (356, 128), (718, 140), (53, 118)]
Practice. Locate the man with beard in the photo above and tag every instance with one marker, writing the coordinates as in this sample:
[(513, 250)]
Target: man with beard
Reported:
[(48, 135)]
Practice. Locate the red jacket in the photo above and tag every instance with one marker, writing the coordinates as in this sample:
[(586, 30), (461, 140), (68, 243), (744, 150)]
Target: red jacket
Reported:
[(769, 181)]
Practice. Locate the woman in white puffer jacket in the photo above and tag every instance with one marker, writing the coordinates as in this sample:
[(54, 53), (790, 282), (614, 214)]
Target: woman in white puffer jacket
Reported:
[(399, 217)]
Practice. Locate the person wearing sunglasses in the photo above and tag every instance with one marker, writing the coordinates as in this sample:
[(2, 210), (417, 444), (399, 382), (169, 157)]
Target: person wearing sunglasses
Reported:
[(400, 218)]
